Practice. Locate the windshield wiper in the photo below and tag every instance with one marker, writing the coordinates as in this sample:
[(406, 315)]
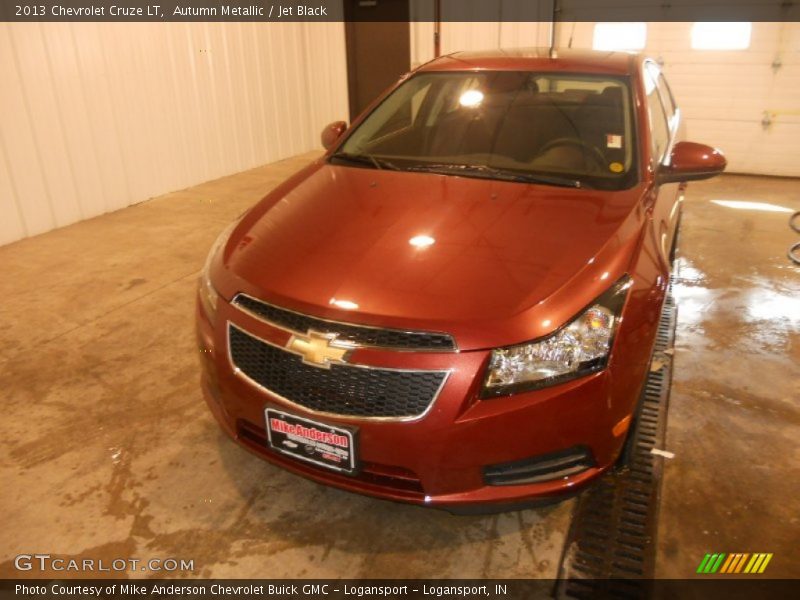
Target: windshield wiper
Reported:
[(366, 159), (495, 173)]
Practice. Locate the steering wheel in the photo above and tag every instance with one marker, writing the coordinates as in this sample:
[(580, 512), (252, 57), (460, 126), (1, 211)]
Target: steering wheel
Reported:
[(587, 148)]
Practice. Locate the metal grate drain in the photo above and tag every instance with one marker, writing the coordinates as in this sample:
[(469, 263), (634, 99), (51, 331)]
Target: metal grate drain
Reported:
[(610, 547)]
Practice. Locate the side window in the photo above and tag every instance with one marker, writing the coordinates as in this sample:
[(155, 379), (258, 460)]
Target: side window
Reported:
[(659, 127), (666, 96), (663, 89)]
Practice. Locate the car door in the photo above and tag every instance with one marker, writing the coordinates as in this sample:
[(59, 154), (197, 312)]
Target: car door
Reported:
[(666, 129)]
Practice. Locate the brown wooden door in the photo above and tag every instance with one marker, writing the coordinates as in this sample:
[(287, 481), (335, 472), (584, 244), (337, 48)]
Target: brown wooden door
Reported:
[(378, 48)]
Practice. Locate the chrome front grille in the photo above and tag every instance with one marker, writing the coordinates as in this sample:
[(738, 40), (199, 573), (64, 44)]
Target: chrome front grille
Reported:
[(357, 335), (342, 389)]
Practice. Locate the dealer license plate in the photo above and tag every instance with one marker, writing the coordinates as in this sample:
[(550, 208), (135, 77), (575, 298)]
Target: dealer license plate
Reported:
[(311, 441)]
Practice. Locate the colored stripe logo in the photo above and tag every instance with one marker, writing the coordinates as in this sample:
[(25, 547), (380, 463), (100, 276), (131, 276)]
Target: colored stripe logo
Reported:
[(742, 562)]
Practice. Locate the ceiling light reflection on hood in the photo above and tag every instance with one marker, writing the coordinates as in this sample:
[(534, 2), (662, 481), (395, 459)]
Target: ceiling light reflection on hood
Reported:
[(345, 304), (422, 241)]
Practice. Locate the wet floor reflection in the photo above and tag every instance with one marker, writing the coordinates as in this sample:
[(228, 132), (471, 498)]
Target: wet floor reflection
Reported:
[(734, 417)]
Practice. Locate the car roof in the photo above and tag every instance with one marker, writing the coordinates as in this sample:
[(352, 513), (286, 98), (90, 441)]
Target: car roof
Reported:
[(537, 59)]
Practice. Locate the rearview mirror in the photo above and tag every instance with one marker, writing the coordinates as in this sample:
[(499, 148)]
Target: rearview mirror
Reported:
[(690, 161), (332, 132)]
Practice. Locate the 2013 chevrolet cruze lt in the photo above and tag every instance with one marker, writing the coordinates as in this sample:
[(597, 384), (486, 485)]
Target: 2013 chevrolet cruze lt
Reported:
[(456, 305)]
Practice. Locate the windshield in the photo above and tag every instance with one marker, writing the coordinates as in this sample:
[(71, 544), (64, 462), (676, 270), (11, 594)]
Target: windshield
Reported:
[(553, 128)]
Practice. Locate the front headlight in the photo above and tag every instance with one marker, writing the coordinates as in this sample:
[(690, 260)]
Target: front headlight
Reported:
[(579, 348), (208, 294)]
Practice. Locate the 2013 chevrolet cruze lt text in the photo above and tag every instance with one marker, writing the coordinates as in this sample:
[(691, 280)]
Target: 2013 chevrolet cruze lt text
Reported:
[(456, 305)]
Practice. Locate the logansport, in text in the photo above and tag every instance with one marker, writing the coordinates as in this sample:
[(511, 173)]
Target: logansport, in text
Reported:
[(196, 589)]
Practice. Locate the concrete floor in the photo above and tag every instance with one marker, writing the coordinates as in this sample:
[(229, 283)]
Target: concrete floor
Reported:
[(734, 419), (109, 452)]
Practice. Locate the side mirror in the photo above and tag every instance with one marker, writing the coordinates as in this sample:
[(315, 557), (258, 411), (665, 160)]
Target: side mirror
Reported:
[(690, 161), (332, 132)]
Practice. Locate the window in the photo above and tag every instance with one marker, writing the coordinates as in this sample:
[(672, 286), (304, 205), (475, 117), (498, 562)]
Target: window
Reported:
[(401, 111), (505, 124), (619, 36), (721, 36), (416, 102), (666, 96), (663, 88), (659, 128)]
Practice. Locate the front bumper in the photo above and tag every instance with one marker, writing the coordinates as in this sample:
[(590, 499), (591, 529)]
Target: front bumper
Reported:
[(439, 459)]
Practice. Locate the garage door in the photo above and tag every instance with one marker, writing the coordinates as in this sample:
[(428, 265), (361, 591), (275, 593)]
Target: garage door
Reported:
[(744, 100), (738, 84)]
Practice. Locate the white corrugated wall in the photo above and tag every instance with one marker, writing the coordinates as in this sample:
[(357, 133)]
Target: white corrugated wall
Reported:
[(98, 116), (457, 36)]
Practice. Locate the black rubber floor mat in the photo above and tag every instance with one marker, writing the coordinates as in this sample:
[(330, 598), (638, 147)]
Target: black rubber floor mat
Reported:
[(610, 547)]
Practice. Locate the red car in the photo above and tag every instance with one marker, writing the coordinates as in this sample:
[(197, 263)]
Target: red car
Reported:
[(456, 305)]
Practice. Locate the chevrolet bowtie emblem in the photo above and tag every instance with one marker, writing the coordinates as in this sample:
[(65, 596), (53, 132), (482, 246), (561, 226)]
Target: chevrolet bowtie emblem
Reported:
[(316, 349)]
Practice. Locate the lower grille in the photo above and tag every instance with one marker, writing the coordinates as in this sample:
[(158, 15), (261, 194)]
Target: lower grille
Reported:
[(341, 390), (544, 467)]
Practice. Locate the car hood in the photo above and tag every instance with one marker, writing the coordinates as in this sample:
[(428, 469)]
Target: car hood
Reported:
[(509, 261)]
